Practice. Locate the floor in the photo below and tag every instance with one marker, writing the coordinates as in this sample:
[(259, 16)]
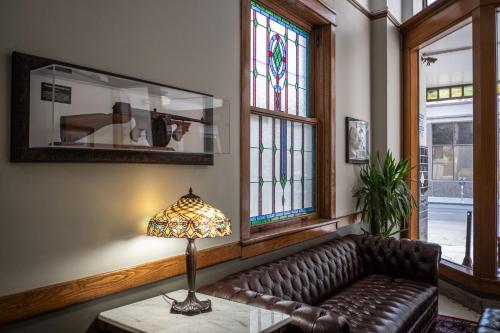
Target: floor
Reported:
[(449, 307), (447, 226)]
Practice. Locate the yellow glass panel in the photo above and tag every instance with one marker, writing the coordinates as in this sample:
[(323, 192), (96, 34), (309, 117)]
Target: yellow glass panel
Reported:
[(432, 94), (444, 93), (468, 91), (456, 92)]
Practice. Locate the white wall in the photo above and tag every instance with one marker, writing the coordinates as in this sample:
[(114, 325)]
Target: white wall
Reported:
[(379, 85), (66, 221), (386, 87), (352, 92), (394, 89)]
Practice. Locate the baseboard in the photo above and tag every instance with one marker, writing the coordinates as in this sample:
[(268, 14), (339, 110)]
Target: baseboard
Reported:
[(467, 299)]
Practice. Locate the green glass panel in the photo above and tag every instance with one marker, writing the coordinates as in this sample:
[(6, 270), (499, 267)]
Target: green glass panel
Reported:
[(468, 91)]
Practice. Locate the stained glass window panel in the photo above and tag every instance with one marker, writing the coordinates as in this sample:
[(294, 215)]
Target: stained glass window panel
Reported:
[(254, 160), (282, 168), (254, 199), (267, 192), (254, 131), (308, 137), (279, 63), (297, 194)]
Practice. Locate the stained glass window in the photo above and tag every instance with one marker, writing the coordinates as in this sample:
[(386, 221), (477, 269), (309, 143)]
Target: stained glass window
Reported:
[(279, 63), (282, 147)]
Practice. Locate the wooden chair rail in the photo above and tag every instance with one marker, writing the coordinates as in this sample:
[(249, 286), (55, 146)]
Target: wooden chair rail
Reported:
[(26, 304), (421, 30)]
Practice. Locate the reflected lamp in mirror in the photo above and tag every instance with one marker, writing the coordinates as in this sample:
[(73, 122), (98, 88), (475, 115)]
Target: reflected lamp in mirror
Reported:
[(190, 217)]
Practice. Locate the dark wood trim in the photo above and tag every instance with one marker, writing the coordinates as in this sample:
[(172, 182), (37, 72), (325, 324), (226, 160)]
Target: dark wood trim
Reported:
[(324, 107), (282, 115), (321, 25), (378, 15), (361, 8), (425, 15), (26, 304), (432, 23), (278, 226), (285, 229), (385, 13), (320, 11), (482, 287), (410, 126), (305, 13), (393, 19), (485, 152), (437, 21), (269, 242), (245, 122), (29, 303)]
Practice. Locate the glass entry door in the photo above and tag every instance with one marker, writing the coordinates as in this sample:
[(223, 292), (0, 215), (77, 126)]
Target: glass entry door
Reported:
[(446, 145)]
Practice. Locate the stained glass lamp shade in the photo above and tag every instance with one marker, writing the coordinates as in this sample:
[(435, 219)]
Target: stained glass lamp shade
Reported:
[(190, 217)]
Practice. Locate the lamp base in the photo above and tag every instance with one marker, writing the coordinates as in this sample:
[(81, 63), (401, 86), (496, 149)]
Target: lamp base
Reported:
[(191, 305)]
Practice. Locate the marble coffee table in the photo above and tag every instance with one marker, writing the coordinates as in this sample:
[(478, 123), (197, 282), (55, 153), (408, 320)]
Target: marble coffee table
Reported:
[(153, 315)]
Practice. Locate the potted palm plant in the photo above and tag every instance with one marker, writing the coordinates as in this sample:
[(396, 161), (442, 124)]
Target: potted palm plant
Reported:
[(384, 198)]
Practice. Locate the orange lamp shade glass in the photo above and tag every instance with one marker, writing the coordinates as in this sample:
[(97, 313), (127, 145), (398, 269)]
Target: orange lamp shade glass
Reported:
[(190, 217)]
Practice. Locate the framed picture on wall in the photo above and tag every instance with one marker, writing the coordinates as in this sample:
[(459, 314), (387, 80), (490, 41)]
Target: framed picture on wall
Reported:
[(68, 113), (357, 141)]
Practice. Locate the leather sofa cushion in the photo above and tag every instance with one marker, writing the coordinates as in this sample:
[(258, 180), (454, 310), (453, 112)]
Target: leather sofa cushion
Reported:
[(309, 276), (379, 303), (413, 260)]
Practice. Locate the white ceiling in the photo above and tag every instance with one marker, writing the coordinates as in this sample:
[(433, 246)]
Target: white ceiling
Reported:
[(454, 54)]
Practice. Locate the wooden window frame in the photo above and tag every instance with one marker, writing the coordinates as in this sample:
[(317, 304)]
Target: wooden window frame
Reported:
[(433, 22), (317, 18)]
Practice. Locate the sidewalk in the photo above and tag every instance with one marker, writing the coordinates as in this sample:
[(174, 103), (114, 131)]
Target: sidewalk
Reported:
[(450, 201)]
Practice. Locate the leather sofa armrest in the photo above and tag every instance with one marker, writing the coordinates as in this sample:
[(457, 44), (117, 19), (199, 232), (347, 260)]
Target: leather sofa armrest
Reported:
[(309, 319), (411, 259)]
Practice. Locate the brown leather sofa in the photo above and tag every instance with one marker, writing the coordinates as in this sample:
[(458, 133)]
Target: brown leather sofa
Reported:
[(352, 284)]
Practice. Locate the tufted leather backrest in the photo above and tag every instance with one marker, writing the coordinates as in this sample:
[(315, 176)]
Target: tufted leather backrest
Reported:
[(309, 276), (413, 260)]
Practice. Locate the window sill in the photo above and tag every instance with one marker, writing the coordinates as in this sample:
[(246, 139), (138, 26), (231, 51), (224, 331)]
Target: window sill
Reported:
[(456, 267), (463, 278), (277, 238), (286, 229)]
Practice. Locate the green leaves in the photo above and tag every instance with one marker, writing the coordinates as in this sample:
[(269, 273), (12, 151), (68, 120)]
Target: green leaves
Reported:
[(384, 197)]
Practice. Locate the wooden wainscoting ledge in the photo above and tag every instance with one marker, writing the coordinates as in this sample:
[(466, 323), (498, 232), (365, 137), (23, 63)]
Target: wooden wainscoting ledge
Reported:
[(485, 288), (26, 304), (275, 239), (29, 303)]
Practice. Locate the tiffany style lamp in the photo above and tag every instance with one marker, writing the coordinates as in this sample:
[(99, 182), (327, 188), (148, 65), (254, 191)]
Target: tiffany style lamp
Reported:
[(191, 218)]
